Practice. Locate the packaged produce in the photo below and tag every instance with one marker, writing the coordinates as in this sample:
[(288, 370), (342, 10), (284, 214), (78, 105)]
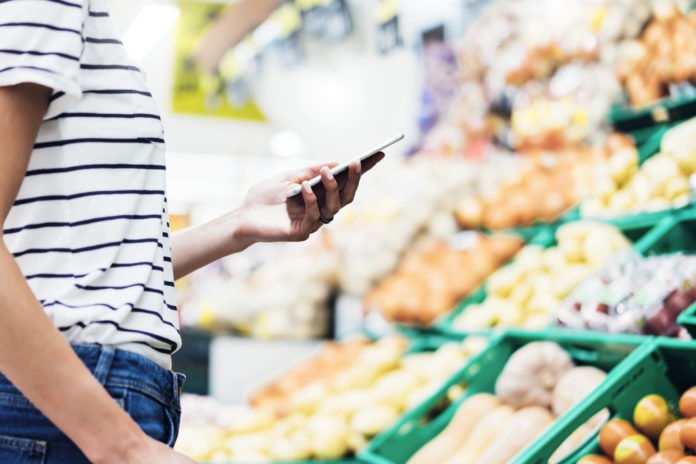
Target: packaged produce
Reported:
[(329, 406), (633, 294), (432, 278), (538, 379), (528, 291), (661, 182)]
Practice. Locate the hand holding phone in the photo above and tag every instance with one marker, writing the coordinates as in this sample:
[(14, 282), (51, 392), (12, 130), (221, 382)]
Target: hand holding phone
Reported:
[(340, 173)]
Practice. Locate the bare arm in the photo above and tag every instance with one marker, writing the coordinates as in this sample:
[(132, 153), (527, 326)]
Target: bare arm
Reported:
[(31, 348)]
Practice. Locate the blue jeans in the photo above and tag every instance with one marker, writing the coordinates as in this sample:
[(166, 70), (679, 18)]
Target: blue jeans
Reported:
[(149, 393)]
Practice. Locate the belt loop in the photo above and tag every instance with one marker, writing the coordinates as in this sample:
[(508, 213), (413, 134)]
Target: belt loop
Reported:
[(106, 356)]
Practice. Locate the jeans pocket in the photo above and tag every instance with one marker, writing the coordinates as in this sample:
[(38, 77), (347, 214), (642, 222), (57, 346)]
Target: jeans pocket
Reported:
[(22, 450)]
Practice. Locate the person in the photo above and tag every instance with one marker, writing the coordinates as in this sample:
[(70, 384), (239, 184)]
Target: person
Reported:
[(88, 319)]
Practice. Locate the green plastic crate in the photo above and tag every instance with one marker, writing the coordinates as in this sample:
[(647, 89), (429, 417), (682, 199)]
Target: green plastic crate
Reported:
[(663, 366), (428, 342), (340, 461), (634, 228), (664, 112), (418, 426), (673, 233)]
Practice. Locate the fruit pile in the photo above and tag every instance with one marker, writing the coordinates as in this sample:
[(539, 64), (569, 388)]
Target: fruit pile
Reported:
[(538, 383), (656, 436), (431, 279), (321, 410), (528, 291), (663, 56), (546, 186), (634, 294), (662, 182)]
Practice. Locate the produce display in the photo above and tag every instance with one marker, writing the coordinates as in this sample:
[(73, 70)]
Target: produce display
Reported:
[(548, 184), (660, 433), (545, 188), (528, 291), (538, 383), (432, 278), (662, 57), (329, 406), (633, 294), (662, 182)]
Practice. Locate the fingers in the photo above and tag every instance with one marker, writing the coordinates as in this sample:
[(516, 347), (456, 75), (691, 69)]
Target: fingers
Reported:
[(309, 172), (332, 199), (348, 192), (311, 219)]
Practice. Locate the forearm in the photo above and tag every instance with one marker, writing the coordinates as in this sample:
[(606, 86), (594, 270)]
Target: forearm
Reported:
[(43, 366), (197, 246)]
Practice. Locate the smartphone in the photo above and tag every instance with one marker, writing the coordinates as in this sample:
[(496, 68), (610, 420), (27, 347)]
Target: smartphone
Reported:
[(342, 169)]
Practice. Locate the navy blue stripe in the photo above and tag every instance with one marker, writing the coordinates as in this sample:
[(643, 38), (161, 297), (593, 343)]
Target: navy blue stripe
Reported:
[(102, 41), (160, 338), (105, 115), (42, 225), (56, 96), (35, 53), (36, 172), (167, 259), (108, 66), (120, 287), (82, 250), (169, 284), (35, 68), (154, 313), (171, 306), (142, 263), (165, 234), (118, 92), (24, 201), (42, 26), (62, 2), (59, 276), (99, 14), (113, 266), (60, 143), (112, 308)]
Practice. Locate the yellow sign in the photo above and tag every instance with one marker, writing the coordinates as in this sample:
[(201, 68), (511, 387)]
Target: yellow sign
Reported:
[(194, 91)]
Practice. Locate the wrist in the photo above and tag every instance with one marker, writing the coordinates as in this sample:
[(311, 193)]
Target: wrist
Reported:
[(238, 232), (124, 441)]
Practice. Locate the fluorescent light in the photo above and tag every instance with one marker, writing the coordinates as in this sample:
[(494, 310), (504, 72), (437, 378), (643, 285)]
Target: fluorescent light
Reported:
[(148, 28)]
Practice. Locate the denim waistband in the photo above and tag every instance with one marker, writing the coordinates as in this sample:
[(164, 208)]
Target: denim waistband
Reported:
[(119, 368)]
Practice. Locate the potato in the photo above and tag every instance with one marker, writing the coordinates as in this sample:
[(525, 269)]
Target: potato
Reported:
[(570, 278), (503, 281), (286, 449), (676, 187), (393, 388), (373, 419), (345, 403), (605, 188), (622, 200), (623, 164), (572, 250), (597, 248)]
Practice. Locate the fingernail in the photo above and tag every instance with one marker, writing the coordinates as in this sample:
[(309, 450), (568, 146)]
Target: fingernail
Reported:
[(306, 187), (329, 174), (358, 168)]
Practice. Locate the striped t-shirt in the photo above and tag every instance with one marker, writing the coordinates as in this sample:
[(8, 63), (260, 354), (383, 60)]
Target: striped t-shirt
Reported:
[(89, 227)]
